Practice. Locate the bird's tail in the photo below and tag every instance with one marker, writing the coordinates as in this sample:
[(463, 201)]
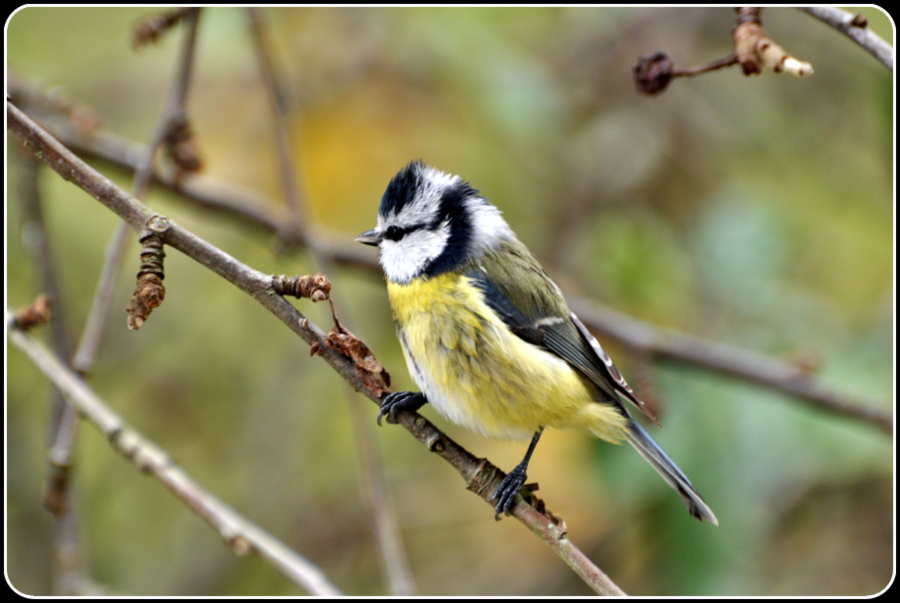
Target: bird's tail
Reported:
[(651, 451)]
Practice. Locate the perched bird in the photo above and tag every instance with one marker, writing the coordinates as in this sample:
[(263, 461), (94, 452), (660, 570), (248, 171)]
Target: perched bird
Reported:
[(488, 337)]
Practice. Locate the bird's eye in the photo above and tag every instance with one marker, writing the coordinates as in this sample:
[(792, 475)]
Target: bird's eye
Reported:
[(395, 233)]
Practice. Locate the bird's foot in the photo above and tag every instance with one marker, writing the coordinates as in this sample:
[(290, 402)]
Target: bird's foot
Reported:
[(397, 401), (508, 490)]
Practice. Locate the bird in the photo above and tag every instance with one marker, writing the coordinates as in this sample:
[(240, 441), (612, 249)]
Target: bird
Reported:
[(488, 337)]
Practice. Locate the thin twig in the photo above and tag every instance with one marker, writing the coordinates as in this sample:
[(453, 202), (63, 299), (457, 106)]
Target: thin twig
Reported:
[(275, 93), (173, 110), (58, 495), (726, 61), (754, 51), (482, 476), (855, 29), (751, 366), (241, 535), (381, 511)]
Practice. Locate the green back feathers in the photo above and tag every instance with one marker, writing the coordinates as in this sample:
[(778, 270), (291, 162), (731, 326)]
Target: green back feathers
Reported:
[(520, 291)]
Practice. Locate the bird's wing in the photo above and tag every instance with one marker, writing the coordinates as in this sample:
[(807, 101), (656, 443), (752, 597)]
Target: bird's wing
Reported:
[(611, 371), (535, 310)]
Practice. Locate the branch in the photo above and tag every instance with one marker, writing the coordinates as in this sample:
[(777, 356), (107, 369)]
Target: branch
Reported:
[(754, 51), (241, 535), (729, 360), (855, 28), (275, 94), (58, 495), (481, 476), (750, 366)]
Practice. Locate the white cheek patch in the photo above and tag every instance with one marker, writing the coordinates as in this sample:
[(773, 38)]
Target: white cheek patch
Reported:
[(488, 225), (403, 260), (407, 258)]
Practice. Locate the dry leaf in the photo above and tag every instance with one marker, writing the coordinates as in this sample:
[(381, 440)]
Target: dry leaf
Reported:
[(368, 369)]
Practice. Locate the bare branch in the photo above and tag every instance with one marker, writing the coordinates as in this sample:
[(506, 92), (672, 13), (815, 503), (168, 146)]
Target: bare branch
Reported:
[(58, 494), (276, 96), (729, 360), (856, 29), (74, 170), (148, 30), (755, 51), (241, 535)]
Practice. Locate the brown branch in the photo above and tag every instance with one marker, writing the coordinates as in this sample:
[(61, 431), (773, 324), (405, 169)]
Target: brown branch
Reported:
[(172, 123), (729, 360), (243, 206), (653, 72), (149, 29), (481, 476)]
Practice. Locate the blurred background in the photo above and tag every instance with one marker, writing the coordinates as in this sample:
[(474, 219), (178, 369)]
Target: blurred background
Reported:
[(752, 211)]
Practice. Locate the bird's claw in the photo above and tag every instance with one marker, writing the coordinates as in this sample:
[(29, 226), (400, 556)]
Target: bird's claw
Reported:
[(507, 491), (397, 401)]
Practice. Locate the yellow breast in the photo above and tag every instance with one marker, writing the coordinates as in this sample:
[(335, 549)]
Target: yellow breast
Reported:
[(479, 374)]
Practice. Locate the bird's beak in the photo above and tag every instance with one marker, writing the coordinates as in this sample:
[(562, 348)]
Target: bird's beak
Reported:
[(370, 237)]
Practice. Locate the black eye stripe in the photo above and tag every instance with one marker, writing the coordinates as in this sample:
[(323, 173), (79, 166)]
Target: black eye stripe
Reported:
[(395, 233)]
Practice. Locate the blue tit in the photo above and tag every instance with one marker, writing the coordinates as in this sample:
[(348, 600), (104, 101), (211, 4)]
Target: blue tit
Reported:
[(488, 337)]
